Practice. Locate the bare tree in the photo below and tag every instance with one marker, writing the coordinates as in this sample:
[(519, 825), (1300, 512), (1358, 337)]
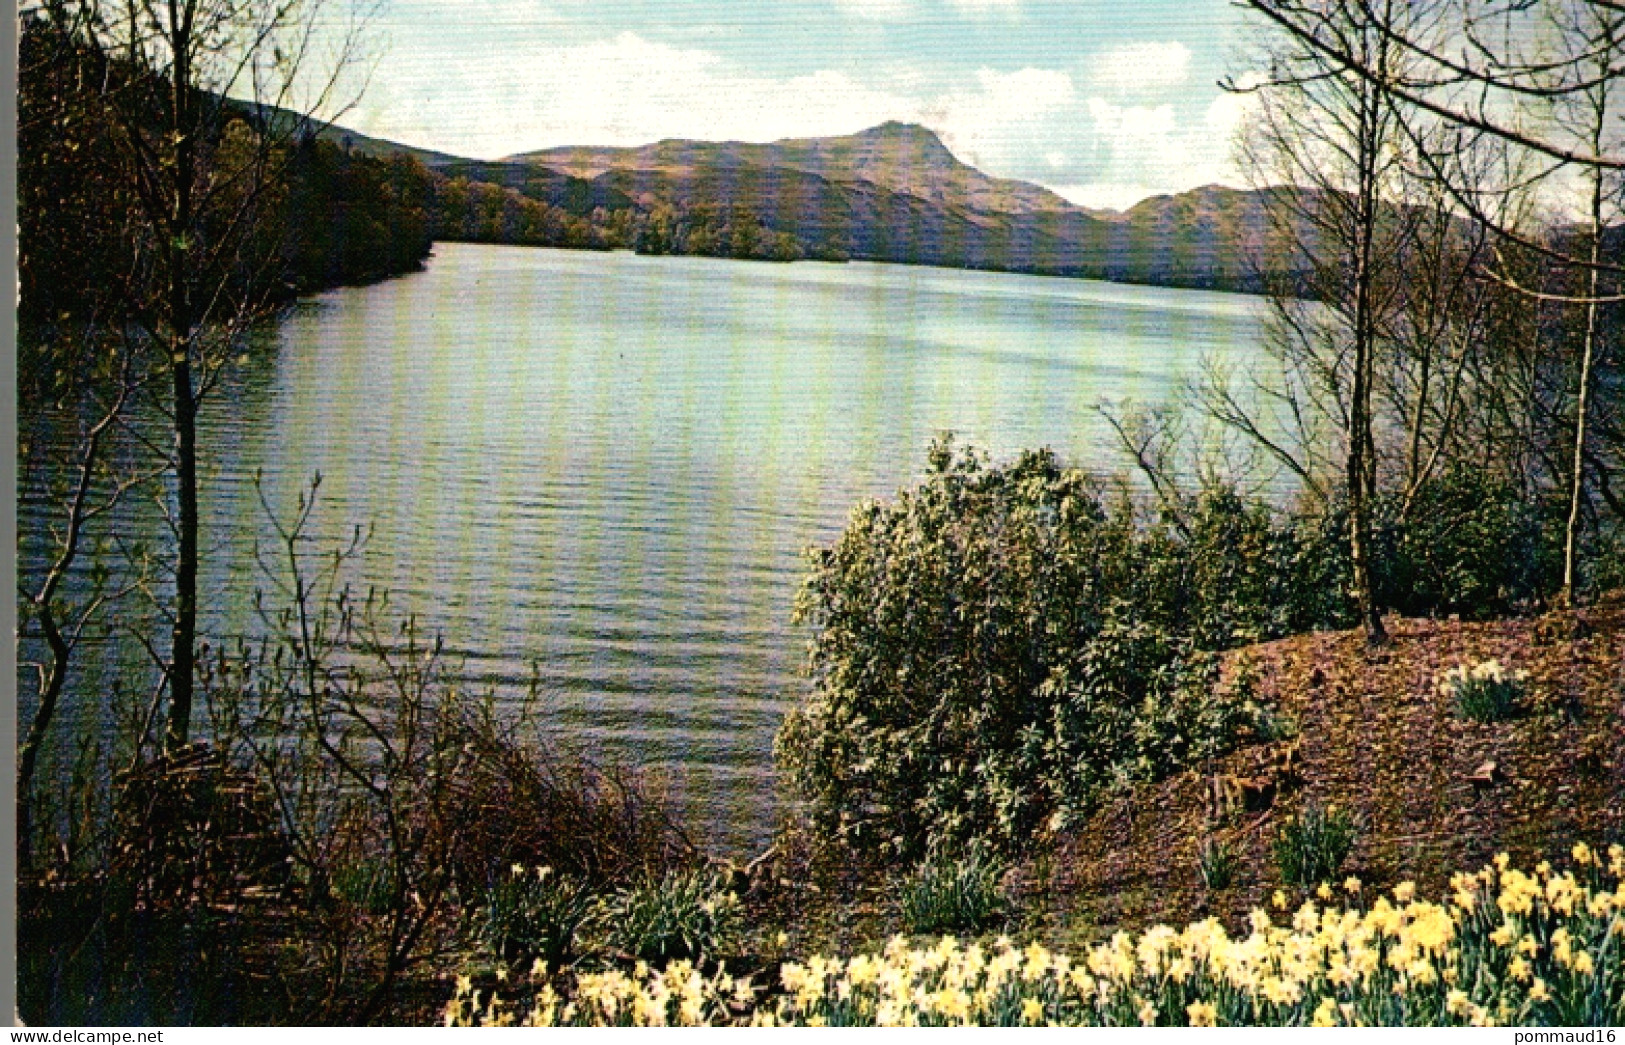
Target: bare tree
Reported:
[(1332, 138), (1531, 84), (1483, 69), (94, 491), (1590, 113), (202, 99)]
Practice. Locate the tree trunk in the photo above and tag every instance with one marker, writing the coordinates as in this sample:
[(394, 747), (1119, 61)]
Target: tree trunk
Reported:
[(184, 636), (1362, 465), (181, 253), (28, 754), (1571, 532)]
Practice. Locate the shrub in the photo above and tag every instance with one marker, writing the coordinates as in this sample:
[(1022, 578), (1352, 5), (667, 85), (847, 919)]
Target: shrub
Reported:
[(1484, 692), (1312, 846), (1272, 724), (540, 805), (533, 915), (1216, 862), (1472, 544), (1138, 705), (1246, 573), (995, 646), (954, 894), (680, 916), (1000, 644), (189, 828), (1607, 562)]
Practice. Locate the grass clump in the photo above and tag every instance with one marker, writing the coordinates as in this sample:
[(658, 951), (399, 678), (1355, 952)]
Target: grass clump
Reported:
[(536, 914), (1312, 846), (687, 915), (1216, 862), (1485, 692), (960, 894)]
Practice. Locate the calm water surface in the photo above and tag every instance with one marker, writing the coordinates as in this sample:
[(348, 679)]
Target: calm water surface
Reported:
[(606, 467)]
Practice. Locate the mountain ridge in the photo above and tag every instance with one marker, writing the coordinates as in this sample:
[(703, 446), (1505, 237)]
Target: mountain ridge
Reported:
[(902, 157), (893, 192)]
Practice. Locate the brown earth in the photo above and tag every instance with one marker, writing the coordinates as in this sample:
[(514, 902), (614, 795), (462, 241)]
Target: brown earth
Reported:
[(1376, 737)]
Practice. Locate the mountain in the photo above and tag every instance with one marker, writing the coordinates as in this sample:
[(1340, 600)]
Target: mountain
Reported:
[(578, 196), (891, 193), (896, 193), (382, 148), (899, 157), (293, 125), (1213, 236)]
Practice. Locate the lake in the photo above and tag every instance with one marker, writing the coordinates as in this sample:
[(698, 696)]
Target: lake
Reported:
[(605, 468)]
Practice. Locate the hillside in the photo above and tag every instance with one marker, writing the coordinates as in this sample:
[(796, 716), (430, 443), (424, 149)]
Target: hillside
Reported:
[(1371, 734), (896, 193), (578, 196), (1375, 736), (898, 157), (382, 148), (891, 193)]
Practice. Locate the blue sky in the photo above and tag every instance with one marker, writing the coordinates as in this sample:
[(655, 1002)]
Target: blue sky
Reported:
[(1103, 102)]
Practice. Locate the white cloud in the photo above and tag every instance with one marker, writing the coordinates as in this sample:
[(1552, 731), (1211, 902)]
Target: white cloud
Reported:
[(1115, 195), (1090, 144), (877, 10), (1144, 150), (1146, 134), (1136, 67), (1226, 112), (1005, 116), (625, 90), (988, 7)]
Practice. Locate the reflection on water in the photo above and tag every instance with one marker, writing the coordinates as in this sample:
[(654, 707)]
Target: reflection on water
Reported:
[(606, 467)]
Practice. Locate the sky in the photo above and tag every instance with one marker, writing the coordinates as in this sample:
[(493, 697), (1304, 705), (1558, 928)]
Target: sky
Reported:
[(1104, 102)]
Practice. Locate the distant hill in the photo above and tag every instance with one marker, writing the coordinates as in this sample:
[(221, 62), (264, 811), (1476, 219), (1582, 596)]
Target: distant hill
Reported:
[(288, 123), (900, 157), (355, 141), (892, 193), (1214, 235), (578, 196), (896, 193)]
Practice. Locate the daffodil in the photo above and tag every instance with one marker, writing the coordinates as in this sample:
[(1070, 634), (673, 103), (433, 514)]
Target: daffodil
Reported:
[(1202, 1014), (1323, 968)]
